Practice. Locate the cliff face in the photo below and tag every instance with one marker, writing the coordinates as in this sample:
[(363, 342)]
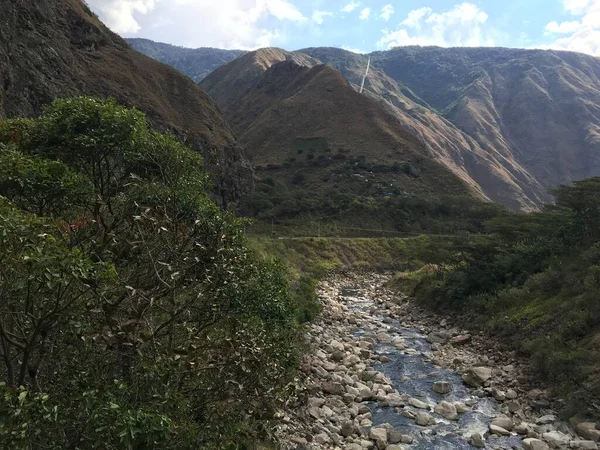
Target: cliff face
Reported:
[(59, 48)]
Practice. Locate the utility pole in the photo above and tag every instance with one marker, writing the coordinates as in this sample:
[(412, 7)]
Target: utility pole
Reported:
[(362, 85)]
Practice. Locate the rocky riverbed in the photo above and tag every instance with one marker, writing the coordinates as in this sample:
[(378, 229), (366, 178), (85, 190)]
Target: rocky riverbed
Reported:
[(382, 374)]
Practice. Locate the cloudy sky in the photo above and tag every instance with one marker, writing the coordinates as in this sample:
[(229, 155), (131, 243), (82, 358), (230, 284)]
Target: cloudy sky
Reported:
[(358, 25)]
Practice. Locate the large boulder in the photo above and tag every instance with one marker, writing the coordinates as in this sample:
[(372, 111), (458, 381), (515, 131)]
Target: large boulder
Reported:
[(588, 430), (476, 440), (423, 419), (477, 376), (379, 436), (556, 439), (503, 422), (447, 410), (442, 387)]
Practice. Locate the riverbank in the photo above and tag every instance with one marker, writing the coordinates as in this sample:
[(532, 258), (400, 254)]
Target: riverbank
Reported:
[(384, 374)]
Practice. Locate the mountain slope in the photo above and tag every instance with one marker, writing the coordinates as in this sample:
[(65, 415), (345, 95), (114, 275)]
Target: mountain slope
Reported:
[(58, 48), (518, 119), (196, 63), (303, 121)]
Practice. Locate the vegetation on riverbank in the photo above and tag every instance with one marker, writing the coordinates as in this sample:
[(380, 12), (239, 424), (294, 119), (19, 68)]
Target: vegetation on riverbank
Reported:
[(534, 279), (134, 313)]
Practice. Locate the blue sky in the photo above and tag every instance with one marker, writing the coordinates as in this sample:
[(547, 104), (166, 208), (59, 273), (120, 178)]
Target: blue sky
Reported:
[(358, 25)]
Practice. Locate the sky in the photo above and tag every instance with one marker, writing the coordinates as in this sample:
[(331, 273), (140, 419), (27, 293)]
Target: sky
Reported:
[(358, 25)]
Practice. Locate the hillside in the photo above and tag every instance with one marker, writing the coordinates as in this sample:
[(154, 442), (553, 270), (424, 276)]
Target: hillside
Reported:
[(309, 121), (518, 122), (58, 48), (196, 63), (310, 134), (511, 123)]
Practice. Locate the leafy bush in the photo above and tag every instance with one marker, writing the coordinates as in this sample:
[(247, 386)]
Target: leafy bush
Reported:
[(137, 316)]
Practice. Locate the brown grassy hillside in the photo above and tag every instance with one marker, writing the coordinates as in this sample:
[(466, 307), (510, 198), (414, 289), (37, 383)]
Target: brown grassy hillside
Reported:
[(307, 126), (514, 122)]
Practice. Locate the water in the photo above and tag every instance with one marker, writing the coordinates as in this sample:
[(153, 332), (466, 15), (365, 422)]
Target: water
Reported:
[(421, 374)]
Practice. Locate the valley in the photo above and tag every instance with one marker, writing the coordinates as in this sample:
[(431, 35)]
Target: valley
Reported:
[(415, 380), (221, 249)]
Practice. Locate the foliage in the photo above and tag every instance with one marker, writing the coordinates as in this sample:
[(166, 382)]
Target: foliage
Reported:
[(354, 214), (134, 313), (533, 278)]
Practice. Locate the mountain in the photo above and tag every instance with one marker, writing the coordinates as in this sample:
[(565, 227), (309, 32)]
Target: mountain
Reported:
[(515, 122), (196, 63), (511, 123), (59, 48), (303, 123)]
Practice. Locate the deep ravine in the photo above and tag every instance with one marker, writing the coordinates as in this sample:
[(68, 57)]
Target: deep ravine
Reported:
[(382, 375)]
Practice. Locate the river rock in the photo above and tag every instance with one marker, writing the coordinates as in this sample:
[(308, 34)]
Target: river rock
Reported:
[(384, 338), (499, 431), (380, 436), (476, 440), (547, 419), (393, 401), (347, 429), (333, 388), (442, 387), (587, 430), (462, 339), (556, 439), (461, 408), (477, 376), (394, 436), (511, 394), (523, 429), (406, 439), (364, 391), (438, 337), (503, 422), (394, 447), (499, 395), (354, 446), (583, 445), (534, 444), (447, 410), (322, 438), (417, 403), (423, 419)]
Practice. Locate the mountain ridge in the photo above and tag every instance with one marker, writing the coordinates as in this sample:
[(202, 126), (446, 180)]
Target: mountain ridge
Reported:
[(59, 48), (484, 112)]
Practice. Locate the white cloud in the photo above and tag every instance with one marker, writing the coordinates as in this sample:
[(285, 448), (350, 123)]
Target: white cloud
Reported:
[(563, 27), (576, 7), (318, 16), (349, 7), (584, 34), (353, 50), (119, 14), (413, 20), (365, 13), (462, 25), (223, 24), (386, 12)]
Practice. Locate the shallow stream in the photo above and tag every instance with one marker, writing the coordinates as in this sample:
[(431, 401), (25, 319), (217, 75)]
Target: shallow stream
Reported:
[(413, 372)]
